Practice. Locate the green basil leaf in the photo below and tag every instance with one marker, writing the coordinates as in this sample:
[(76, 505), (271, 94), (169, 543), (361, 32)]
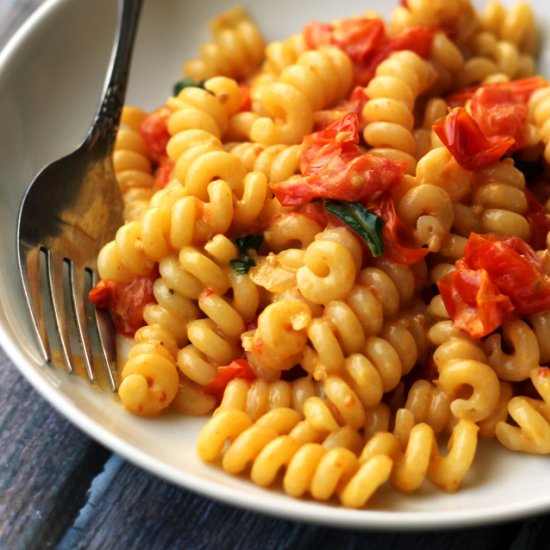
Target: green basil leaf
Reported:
[(240, 267), (245, 243), (362, 221), (245, 261), (187, 83)]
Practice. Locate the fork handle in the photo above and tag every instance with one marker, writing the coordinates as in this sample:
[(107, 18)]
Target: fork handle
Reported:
[(107, 118)]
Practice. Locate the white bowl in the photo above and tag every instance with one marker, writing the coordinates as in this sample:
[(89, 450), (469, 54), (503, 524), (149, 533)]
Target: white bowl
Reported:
[(51, 74)]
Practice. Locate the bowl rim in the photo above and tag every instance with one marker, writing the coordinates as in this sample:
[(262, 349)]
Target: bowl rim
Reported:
[(304, 510)]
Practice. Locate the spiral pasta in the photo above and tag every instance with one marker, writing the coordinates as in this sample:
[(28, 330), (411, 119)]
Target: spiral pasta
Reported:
[(132, 164), (539, 112), (339, 247), (149, 379), (260, 396), (505, 56), (421, 456), (282, 53), (392, 93), (457, 16), (276, 162), (516, 25), (499, 197), (237, 49), (316, 80), (532, 433)]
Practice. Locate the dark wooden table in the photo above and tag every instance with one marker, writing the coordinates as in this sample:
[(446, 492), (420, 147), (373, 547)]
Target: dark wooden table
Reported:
[(60, 489)]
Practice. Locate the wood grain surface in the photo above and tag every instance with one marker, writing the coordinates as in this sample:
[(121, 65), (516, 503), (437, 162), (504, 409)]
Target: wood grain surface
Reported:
[(60, 489)]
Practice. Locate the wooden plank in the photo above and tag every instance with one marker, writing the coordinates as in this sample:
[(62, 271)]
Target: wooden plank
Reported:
[(140, 511), (46, 465)]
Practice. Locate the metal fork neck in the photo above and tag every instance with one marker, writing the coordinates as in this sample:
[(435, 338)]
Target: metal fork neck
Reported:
[(107, 118)]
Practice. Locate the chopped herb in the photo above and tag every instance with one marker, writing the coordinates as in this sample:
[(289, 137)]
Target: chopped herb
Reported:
[(363, 222), (187, 83), (245, 260)]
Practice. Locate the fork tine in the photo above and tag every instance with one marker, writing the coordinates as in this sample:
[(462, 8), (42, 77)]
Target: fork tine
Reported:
[(54, 266), (107, 340), (77, 289), (30, 276)]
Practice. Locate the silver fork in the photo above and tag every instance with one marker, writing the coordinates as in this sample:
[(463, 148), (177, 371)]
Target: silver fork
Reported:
[(70, 210)]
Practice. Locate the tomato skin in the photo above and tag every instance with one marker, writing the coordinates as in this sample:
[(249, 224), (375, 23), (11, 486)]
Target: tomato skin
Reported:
[(246, 98), (342, 131), (125, 301), (316, 212), (101, 295), (521, 89), (365, 41), (496, 125), (463, 137), (396, 235), (334, 167), (539, 221), (515, 269), (239, 368), (416, 39), (498, 276), (356, 36), (473, 302), (154, 131), (499, 113), (163, 173)]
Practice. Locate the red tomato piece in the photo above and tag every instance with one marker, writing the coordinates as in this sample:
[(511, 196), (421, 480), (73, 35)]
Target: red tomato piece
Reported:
[(154, 131), (514, 268), (499, 113), (358, 179), (317, 34), (246, 99), (356, 36), (163, 173), (355, 102), (101, 295), (396, 235), (239, 368), (473, 302), (334, 167), (521, 89), (497, 276), (539, 221), (124, 301), (463, 137), (416, 39), (341, 131), (316, 212)]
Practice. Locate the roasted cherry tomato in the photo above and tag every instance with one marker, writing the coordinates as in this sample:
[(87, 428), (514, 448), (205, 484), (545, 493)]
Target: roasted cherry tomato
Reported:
[(539, 221), (357, 36), (495, 126), (463, 137), (473, 302), (246, 98), (416, 39), (163, 173), (499, 113), (239, 368), (521, 89), (497, 276), (514, 268), (334, 167), (154, 130), (124, 301), (396, 235)]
